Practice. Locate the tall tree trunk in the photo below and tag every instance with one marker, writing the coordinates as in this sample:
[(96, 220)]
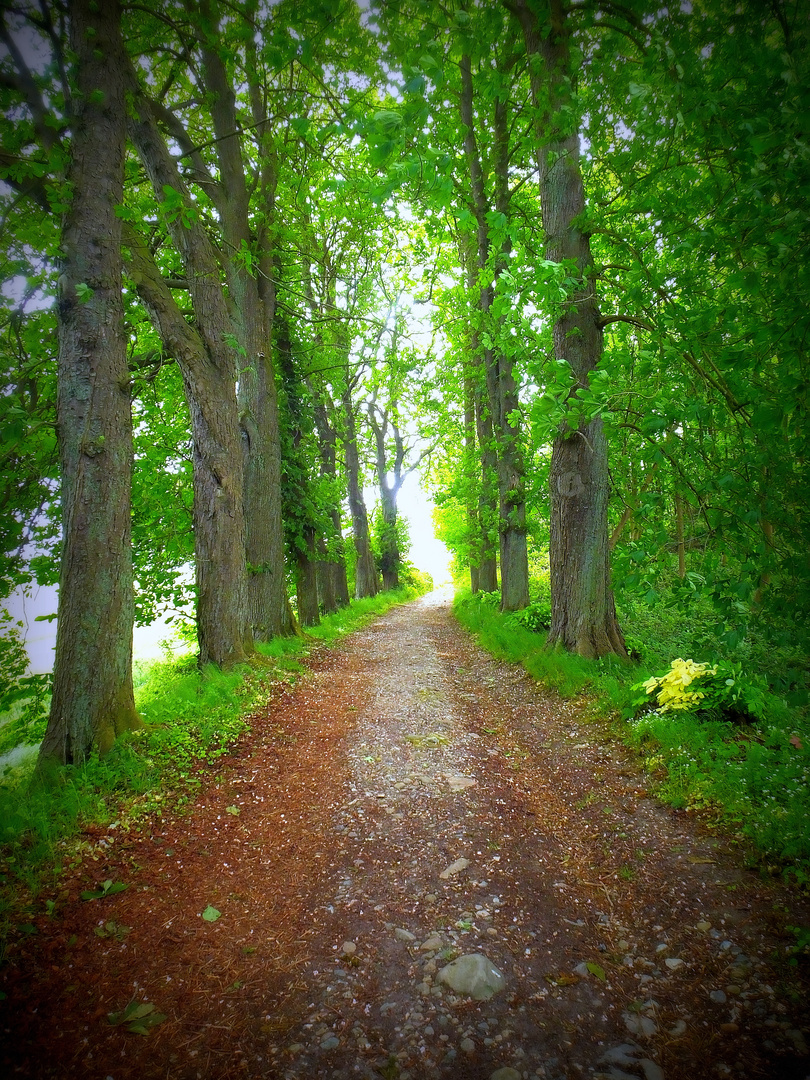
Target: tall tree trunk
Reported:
[(333, 582), (480, 453), (253, 303), (470, 502), (679, 536), (501, 387), (488, 513), (365, 579), (306, 580), (389, 544), (92, 699), (583, 614), (223, 626)]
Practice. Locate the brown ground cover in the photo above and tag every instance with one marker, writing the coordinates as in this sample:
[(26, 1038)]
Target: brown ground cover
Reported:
[(631, 940)]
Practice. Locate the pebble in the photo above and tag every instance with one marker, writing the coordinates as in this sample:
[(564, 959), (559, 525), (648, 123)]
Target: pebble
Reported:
[(467, 1045), (404, 935), (330, 1043), (651, 1070), (348, 948), (672, 963), (624, 1054), (506, 1074), (704, 927), (640, 1025), (718, 997)]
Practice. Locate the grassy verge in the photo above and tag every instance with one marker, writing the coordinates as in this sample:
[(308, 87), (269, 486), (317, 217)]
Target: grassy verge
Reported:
[(753, 774), (192, 717)]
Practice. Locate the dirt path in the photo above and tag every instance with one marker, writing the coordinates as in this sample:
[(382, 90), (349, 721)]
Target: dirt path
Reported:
[(409, 802)]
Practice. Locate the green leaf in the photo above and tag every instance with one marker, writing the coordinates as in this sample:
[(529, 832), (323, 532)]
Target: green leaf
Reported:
[(596, 970), (211, 914), (107, 888)]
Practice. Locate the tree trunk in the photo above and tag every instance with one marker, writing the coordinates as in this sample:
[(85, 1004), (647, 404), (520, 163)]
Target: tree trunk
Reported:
[(334, 584), (679, 537), (306, 581), (365, 581), (92, 699), (389, 544), (488, 497), (223, 626), (498, 367), (583, 614), (253, 301), (470, 503)]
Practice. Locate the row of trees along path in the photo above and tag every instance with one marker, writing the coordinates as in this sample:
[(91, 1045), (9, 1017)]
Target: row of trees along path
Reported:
[(289, 248), (408, 802)]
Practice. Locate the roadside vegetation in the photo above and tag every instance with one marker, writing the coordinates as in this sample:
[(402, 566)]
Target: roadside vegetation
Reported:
[(191, 717), (722, 728)]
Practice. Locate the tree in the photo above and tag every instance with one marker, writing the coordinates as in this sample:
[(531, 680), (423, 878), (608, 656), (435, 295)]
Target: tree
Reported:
[(93, 699), (583, 613)]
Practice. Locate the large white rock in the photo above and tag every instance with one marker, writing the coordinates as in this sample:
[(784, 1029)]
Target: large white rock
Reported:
[(472, 976)]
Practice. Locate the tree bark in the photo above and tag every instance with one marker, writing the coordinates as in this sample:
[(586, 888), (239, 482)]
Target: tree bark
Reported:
[(365, 575), (223, 626), (93, 699), (253, 300), (333, 584), (470, 502), (389, 544), (306, 580), (501, 387), (488, 496), (583, 614), (679, 537)]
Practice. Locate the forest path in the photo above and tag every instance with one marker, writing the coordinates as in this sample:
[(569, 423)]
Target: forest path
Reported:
[(409, 801)]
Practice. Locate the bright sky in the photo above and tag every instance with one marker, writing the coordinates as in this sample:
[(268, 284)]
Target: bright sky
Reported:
[(427, 553)]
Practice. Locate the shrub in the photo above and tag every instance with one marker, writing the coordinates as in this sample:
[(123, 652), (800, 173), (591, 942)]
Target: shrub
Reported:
[(722, 689)]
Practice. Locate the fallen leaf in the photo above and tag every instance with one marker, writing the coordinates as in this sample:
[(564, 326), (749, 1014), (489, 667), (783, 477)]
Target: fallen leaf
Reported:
[(140, 1017), (596, 970), (794, 740), (233, 810), (211, 914), (454, 868)]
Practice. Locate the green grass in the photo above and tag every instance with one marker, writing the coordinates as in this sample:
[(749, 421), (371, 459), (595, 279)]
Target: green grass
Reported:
[(754, 776), (191, 718)]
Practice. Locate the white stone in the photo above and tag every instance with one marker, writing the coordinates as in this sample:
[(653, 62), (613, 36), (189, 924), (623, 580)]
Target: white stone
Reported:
[(473, 975)]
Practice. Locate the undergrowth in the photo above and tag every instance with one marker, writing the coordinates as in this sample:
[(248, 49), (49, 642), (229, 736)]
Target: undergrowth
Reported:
[(744, 757), (191, 718)]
